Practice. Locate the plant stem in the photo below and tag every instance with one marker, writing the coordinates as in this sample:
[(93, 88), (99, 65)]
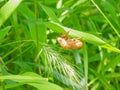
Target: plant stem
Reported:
[(106, 18)]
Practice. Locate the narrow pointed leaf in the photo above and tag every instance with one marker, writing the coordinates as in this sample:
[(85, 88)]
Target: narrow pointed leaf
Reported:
[(8, 9), (4, 32)]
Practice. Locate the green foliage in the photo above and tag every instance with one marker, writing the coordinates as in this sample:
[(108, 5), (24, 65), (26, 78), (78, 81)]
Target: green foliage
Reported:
[(8, 9), (31, 79), (31, 58), (4, 32)]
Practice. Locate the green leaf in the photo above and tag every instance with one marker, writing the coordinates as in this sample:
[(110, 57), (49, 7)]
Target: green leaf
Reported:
[(8, 9), (55, 27), (23, 8), (104, 81), (4, 32), (50, 13), (42, 33), (112, 63), (38, 32), (32, 79), (1, 1), (113, 75), (90, 38), (105, 17)]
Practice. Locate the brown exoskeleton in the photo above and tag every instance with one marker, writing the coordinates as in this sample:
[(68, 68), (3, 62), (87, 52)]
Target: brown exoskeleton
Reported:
[(68, 43)]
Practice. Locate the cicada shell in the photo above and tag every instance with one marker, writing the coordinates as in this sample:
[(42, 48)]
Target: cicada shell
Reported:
[(68, 43)]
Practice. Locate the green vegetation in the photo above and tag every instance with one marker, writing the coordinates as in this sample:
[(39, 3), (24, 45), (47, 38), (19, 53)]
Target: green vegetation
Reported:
[(32, 59)]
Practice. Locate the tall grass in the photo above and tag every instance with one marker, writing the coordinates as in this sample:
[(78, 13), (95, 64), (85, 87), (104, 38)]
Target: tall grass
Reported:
[(31, 58)]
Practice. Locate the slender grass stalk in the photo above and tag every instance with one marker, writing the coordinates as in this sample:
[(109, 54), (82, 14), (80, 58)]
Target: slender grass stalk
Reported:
[(115, 30), (85, 63), (36, 30), (13, 50), (101, 60), (14, 21), (12, 59), (2, 63), (2, 83), (14, 42), (36, 17), (92, 82)]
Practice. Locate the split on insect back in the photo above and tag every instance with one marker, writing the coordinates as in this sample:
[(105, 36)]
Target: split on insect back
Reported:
[(69, 43)]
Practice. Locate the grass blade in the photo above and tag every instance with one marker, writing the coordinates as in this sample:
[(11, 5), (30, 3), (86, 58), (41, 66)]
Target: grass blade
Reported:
[(4, 32), (32, 79), (8, 9), (106, 18), (90, 38), (50, 13)]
